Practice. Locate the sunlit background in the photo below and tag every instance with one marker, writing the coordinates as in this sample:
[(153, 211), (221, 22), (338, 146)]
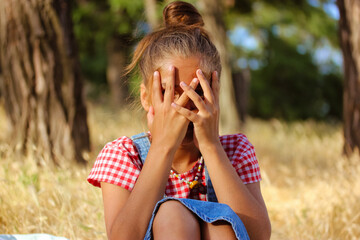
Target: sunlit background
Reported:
[(287, 54)]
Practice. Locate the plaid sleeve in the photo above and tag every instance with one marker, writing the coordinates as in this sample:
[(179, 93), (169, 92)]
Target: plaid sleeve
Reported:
[(242, 156), (118, 163)]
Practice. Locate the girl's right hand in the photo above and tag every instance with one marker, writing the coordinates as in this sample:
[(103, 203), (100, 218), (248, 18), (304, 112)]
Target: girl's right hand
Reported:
[(167, 126)]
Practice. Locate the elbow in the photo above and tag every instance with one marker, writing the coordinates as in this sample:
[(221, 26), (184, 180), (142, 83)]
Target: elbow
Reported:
[(123, 236), (265, 232), (124, 233), (261, 230), (113, 236)]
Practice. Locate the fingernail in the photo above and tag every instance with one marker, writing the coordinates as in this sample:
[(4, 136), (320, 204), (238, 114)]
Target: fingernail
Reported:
[(200, 72), (156, 73), (195, 80), (171, 67), (182, 84), (173, 104)]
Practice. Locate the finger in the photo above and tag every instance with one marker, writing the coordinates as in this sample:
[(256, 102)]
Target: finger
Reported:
[(215, 85), (205, 85), (183, 99), (190, 115), (156, 95), (197, 100), (170, 85)]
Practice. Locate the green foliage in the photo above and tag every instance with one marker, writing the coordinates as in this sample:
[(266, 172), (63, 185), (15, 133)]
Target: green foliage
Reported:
[(290, 86), (286, 80), (95, 23), (332, 95)]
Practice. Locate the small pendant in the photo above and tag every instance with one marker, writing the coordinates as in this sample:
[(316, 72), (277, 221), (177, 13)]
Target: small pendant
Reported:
[(194, 184)]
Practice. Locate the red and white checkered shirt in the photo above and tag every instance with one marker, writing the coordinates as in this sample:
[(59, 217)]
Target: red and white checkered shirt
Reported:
[(119, 163)]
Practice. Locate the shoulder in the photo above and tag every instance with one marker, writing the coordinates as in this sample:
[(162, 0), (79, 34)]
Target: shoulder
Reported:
[(117, 158), (235, 143), (121, 149), (123, 142), (242, 156)]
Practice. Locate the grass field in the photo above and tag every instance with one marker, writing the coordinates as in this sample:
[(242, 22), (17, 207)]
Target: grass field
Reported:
[(311, 191)]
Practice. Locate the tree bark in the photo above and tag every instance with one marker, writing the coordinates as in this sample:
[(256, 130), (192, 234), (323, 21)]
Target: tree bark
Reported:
[(241, 82), (350, 43), (42, 84), (117, 55), (213, 12), (150, 13)]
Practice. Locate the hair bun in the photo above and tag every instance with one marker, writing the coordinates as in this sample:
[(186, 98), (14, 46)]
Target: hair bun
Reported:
[(181, 13)]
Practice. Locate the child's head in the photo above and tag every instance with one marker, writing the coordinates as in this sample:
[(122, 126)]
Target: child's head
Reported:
[(182, 37)]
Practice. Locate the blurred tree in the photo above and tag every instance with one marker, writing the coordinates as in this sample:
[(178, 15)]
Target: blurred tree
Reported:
[(350, 43), (283, 89), (1, 80), (117, 51), (150, 12), (241, 81), (106, 31), (42, 87), (278, 41), (213, 12)]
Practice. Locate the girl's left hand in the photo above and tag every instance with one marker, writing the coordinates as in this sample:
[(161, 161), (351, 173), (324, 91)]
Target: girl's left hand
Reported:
[(206, 118)]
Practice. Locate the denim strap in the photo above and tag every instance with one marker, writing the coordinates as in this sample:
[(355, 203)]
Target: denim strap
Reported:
[(142, 144), (210, 194)]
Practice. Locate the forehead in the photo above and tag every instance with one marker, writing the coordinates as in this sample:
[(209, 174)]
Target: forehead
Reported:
[(185, 68)]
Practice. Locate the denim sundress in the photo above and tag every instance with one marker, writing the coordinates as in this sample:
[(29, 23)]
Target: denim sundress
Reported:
[(209, 211)]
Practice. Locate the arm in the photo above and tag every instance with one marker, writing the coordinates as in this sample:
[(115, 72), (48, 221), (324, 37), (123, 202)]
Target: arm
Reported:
[(127, 214), (245, 200)]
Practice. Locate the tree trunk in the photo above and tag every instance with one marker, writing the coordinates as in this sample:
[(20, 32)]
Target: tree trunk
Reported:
[(150, 13), (42, 84), (213, 12), (350, 43), (117, 54), (241, 81), (1, 78)]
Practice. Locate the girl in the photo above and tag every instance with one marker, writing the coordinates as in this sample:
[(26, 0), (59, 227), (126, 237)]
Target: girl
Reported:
[(181, 180)]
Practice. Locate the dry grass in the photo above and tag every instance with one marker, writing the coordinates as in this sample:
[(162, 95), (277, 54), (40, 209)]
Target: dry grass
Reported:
[(311, 191)]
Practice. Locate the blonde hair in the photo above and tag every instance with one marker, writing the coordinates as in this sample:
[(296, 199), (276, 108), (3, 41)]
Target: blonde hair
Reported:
[(182, 36)]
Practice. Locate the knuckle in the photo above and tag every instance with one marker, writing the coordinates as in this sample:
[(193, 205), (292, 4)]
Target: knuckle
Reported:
[(188, 114), (169, 87), (207, 115), (202, 122)]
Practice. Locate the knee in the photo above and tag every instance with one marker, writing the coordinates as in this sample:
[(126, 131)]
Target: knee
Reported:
[(170, 213), (175, 220)]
